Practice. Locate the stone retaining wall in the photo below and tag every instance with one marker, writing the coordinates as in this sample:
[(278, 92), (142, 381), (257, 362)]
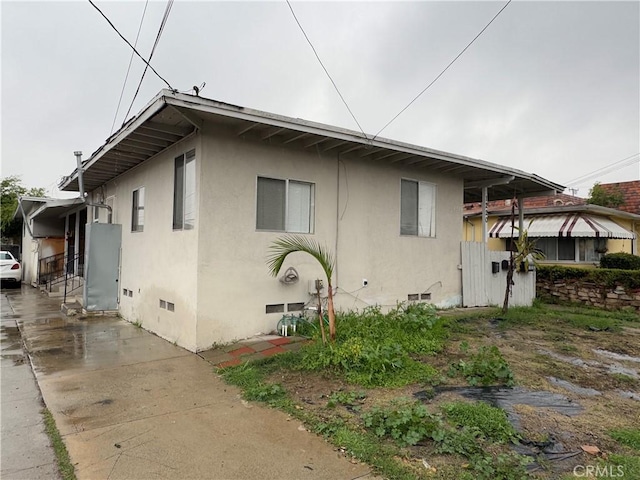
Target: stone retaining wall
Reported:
[(589, 294)]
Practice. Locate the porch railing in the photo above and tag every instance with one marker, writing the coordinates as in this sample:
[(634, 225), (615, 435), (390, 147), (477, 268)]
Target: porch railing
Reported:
[(60, 268)]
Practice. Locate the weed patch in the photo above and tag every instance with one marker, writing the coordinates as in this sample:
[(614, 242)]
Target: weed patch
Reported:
[(345, 398), (62, 456), (405, 422), (492, 422), (409, 423), (486, 367), (376, 349)]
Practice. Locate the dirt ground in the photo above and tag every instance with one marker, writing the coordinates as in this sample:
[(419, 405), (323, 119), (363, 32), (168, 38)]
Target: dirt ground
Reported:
[(595, 370)]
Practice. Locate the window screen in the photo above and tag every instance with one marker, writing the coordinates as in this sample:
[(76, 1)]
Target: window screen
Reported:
[(184, 191), (417, 208), (284, 205)]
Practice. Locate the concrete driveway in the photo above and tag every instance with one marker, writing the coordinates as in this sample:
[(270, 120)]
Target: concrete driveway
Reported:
[(130, 405)]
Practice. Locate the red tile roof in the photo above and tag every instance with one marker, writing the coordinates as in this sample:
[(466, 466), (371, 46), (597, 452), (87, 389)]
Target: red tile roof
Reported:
[(631, 192), (556, 200)]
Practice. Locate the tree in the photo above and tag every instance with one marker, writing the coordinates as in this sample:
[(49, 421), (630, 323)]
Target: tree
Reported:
[(605, 198), (11, 190), (282, 247)]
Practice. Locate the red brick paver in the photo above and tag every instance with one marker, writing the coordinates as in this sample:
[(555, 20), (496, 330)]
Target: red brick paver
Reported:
[(241, 351), (272, 351)]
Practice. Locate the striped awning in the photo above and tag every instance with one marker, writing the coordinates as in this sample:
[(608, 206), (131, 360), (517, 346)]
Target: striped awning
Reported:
[(576, 225)]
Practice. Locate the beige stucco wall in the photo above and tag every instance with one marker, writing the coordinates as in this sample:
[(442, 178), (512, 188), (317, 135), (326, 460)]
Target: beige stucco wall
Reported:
[(216, 274), (234, 285), (157, 263)]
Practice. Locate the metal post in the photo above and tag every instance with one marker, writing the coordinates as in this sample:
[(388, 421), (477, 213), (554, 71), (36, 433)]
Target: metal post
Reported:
[(484, 214), (520, 216)]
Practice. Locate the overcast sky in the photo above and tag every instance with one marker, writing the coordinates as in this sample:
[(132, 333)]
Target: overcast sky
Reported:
[(552, 88)]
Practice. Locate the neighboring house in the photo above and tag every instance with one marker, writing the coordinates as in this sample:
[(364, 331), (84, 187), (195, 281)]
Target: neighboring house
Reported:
[(201, 189), (567, 229), (630, 192), (47, 237)]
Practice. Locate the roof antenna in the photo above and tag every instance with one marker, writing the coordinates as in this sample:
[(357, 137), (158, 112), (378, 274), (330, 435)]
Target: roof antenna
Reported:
[(197, 89)]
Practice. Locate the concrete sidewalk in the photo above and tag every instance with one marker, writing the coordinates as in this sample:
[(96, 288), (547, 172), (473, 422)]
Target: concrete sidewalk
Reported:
[(26, 452), (130, 405)]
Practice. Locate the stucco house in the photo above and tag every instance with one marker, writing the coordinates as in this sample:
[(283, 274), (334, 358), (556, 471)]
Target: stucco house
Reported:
[(567, 229), (200, 189)]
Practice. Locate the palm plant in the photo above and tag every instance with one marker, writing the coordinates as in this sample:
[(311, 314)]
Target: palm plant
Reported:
[(288, 244)]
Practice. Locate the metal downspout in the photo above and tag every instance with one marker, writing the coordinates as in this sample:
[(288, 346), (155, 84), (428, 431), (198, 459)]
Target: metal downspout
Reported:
[(78, 155)]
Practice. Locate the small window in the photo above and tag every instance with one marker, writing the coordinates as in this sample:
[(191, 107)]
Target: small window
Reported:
[(425, 296), (131, 293), (285, 205), (125, 292), (184, 192), (137, 210), (412, 297), (276, 308), (417, 208), (171, 307), (163, 304), (295, 307)]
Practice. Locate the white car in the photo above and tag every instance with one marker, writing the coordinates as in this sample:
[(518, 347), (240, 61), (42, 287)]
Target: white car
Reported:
[(10, 268)]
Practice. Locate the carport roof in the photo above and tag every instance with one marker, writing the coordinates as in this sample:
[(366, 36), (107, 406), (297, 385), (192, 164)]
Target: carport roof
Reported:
[(171, 117), (49, 208)]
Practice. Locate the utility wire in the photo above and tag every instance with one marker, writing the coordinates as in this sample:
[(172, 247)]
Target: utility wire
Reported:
[(612, 167), (127, 42), (325, 69), (167, 10), (442, 72), (126, 77)]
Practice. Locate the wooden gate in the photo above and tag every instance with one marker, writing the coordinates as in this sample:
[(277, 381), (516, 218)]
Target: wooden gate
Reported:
[(481, 287)]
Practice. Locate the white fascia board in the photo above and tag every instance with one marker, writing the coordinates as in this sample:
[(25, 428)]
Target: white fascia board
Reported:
[(149, 111)]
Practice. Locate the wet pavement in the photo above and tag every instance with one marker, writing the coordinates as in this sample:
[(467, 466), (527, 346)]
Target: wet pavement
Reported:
[(25, 451), (130, 405)]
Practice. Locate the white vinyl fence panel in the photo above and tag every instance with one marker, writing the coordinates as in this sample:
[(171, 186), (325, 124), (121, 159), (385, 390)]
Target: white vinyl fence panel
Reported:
[(481, 287)]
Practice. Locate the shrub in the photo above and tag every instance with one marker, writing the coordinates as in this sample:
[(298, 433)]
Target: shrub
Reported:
[(620, 261), (606, 277)]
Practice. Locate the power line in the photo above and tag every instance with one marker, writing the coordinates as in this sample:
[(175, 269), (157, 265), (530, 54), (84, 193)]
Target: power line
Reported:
[(325, 69), (612, 167), (167, 10), (127, 42), (443, 71), (126, 77)]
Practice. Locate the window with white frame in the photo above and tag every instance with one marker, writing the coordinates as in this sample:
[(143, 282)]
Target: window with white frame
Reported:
[(417, 208), (285, 205), (571, 249), (184, 191), (137, 210)]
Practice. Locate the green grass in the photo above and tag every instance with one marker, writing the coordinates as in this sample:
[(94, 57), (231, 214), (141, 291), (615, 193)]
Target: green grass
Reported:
[(546, 314), (627, 465), (492, 422), (627, 436), (62, 456)]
